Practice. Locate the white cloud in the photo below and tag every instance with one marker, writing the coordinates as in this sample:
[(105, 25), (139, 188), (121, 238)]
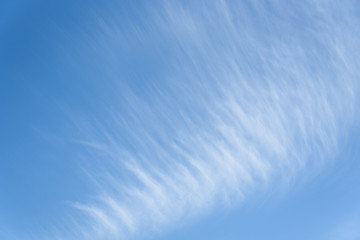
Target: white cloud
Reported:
[(250, 101)]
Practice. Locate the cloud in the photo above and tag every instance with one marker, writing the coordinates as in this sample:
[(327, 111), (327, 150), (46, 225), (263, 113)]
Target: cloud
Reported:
[(256, 95)]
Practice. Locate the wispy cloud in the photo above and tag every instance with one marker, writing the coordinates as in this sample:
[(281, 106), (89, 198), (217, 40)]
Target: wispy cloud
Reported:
[(257, 94)]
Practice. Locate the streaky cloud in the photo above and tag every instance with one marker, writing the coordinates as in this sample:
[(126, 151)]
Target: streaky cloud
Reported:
[(253, 98)]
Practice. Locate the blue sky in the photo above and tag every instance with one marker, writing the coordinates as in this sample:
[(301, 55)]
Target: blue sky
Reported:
[(179, 120)]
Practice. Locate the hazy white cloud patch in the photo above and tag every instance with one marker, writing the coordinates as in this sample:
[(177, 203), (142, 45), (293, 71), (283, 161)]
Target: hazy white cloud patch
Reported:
[(257, 93)]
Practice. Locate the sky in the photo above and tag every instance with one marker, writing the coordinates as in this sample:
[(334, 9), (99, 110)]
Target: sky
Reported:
[(215, 120)]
